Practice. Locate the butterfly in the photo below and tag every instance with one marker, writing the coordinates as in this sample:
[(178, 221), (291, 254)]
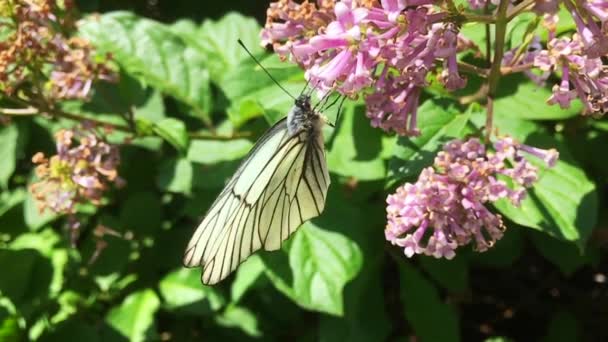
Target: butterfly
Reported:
[(281, 184)]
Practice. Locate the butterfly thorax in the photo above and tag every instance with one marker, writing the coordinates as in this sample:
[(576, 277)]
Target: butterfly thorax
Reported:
[(302, 117)]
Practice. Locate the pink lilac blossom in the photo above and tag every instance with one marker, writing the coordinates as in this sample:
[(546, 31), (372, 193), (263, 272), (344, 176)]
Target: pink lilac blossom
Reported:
[(381, 49), (446, 207), (80, 172), (583, 77)]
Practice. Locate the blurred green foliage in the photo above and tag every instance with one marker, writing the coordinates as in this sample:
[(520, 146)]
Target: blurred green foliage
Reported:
[(336, 278)]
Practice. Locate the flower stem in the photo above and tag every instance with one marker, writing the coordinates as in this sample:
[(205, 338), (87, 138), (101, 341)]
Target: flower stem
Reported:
[(19, 111), (30, 110), (499, 46), (478, 18), (521, 7), (473, 69)]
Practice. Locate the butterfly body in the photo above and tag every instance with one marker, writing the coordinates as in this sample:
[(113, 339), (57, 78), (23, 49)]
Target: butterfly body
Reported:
[(281, 183)]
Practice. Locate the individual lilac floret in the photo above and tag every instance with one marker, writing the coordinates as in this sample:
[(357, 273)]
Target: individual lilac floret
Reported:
[(446, 207)]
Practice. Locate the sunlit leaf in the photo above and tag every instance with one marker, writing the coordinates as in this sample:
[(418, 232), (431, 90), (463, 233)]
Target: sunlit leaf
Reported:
[(438, 122), (182, 290), (175, 175), (134, 317), (214, 151), (322, 263), (357, 147), (152, 51), (174, 132), (8, 152), (246, 275), (241, 318)]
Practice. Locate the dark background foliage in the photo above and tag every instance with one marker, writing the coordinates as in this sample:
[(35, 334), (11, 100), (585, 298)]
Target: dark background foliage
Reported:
[(337, 278)]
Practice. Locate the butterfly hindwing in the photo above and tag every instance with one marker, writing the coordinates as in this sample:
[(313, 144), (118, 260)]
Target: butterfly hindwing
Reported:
[(281, 184)]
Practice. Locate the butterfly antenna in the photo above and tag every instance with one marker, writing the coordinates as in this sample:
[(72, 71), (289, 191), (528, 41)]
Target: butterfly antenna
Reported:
[(322, 101), (339, 110), (305, 86), (261, 66)]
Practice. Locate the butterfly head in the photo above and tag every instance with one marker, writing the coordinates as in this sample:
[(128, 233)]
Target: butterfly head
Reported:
[(303, 102)]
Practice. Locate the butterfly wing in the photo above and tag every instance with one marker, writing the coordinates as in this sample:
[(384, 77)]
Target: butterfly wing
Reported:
[(281, 184)]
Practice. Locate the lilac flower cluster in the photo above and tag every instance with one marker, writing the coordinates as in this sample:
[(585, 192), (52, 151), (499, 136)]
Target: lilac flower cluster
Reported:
[(383, 49), (37, 40), (80, 172), (578, 58), (446, 207)]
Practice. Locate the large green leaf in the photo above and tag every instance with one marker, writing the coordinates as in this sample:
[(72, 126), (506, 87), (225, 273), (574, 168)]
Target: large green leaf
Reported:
[(322, 262), (563, 203), (51, 246), (357, 147), (214, 151), (566, 256), (438, 122), (217, 41), (241, 318), (520, 98), (175, 175), (364, 318), (183, 291), (246, 275), (9, 136), (134, 317), (257, 94), (174, 132), (152, 51), (431, 319), (9, 200)]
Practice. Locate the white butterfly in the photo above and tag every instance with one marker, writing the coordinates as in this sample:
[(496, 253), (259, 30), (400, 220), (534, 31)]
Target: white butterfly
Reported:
[(281, 184)]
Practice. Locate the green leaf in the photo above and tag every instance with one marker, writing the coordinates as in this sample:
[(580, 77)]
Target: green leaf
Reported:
[(246, 275), (183, 291), (141, 213), (438, 122), (152, 51), (424, 309), (175, 175), (30, 276), (566, 256), (174, 132), (218, 42), (9, 200), (214, 151), (134, 318), (257, 94), (563, 203), (239, 317), (32, 215), (9, 137), (50, 245), (451, 274), (356, 147), (322, 263), (10, 330), (364, 318), (520, 98)]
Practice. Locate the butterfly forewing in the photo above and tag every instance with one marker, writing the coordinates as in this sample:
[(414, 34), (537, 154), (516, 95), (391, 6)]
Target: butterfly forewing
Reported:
[(282, 183)]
